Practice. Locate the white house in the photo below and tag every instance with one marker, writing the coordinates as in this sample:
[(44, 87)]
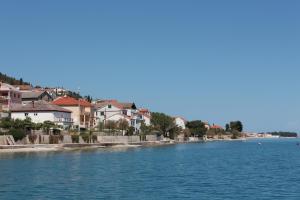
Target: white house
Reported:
[(145, 116), (112, 110), (180, 122), (41, 111)]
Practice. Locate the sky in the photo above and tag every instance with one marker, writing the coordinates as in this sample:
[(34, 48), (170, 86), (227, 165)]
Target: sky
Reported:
[(212, 60)]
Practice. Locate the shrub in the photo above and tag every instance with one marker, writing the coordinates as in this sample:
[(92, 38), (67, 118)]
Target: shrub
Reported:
[(54, 139), (32, 138), (86, 137), (130, 131), (75, 138), (94, 138), (18, 134)]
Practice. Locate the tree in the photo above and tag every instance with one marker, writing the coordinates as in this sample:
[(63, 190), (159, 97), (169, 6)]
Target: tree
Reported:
[(6, 123), (130, 131), (145, 129), (197, 128), (174, 132), (236, 126), (227, 127), (88, 98), (187, 133), (110, 125), (100, 126), (162, 122), (47, 125), (123, 125)]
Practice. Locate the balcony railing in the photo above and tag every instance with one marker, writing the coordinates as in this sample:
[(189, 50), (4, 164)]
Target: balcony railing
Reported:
[(67, 120)]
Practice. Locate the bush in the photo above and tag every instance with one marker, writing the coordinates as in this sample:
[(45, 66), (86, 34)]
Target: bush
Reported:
[(75, 138), (32, 138), (86, 137), (94, 138), (18, 134), (54, 139), (130, 131)]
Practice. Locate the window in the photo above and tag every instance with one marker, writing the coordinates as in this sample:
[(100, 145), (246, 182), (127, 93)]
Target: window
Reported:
[(35, 114), (15, 95), (26, 114), (109, 106), (102, 113)]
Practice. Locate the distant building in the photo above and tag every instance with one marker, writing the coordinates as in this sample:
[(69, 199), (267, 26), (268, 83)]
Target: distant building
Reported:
[(145, 116), (29, 96), (41, 111), (180, 122), (112, 110), (214, 126), (82, 112), (9, 96)]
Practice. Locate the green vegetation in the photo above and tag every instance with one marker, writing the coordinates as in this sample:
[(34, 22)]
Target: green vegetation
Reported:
[(18, 134), (197, 128), (55, 139), (162, 123), (236, 126), (145, 129), (123, 125), (20, 128), (284, 134), (12, 81), (75, 138), (130, 131), (86, 137), (111, 126)]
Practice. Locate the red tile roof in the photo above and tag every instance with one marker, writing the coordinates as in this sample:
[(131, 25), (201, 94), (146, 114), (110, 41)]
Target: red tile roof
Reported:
[(216, 127), (70, 101)]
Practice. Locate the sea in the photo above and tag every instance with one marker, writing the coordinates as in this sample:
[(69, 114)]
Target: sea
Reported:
[(267, 169)]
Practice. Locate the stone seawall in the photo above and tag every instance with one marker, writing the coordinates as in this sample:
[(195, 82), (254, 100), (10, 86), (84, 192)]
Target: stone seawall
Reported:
[(119, 139)]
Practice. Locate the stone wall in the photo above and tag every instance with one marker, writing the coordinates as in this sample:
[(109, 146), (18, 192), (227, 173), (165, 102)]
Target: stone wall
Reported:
[(118, 139), (152, 138), (7, 140)]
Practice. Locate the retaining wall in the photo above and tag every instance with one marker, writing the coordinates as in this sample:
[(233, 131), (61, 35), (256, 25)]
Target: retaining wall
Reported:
[(118, 139)]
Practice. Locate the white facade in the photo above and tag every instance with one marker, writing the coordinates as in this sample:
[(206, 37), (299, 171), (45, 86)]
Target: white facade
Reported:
[(115, 111), (59, 118), (180, 122), (108, 112), (146, 119), (118, 117)]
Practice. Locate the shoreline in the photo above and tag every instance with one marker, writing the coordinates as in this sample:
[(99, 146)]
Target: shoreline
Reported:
[(72, 146)]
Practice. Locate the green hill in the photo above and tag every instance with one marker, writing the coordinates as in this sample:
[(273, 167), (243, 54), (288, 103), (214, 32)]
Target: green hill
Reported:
[(11, 80)]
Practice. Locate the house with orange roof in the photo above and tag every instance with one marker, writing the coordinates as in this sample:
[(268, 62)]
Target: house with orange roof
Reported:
[(82, 111), (214, 126)]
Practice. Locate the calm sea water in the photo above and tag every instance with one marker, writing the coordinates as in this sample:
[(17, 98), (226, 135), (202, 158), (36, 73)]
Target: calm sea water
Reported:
[(217, 170)]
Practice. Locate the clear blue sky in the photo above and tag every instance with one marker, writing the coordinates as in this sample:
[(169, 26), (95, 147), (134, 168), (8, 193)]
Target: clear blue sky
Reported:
[(211, 60)]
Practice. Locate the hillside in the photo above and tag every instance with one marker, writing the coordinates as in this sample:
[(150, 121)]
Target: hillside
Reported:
[(11, 80)]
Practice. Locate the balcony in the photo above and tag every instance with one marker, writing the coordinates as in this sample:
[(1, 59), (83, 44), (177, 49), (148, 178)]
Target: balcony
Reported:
[(63, 120)]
